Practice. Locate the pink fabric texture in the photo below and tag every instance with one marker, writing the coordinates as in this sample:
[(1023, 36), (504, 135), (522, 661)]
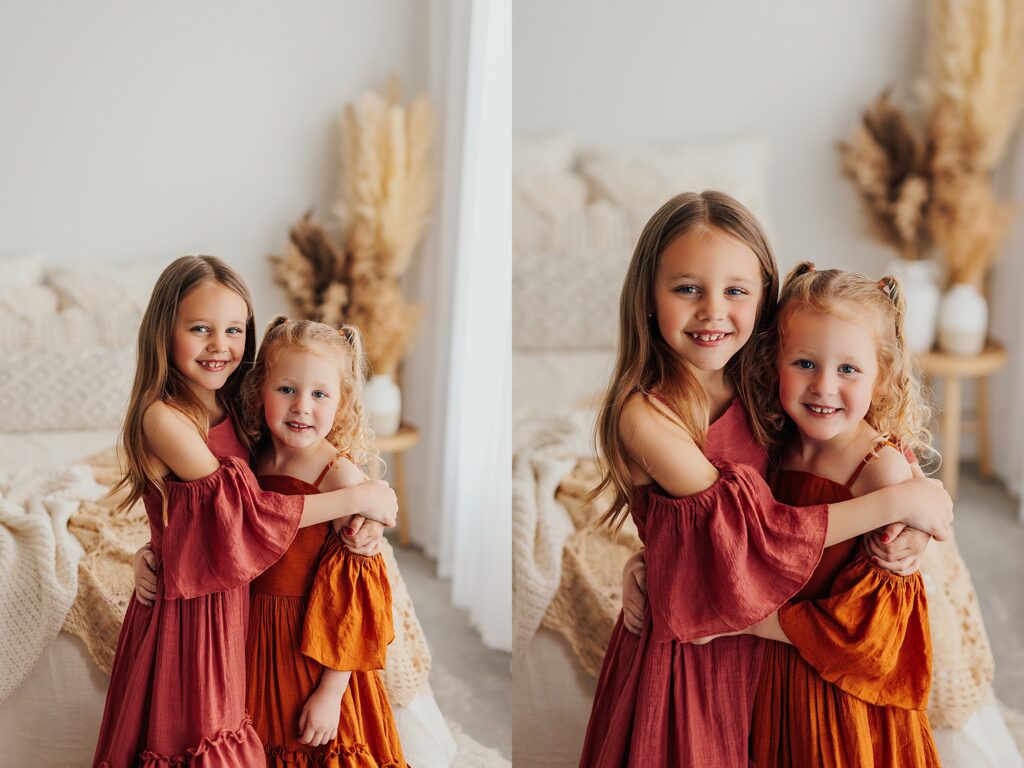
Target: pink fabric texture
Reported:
[(177, 688), (719, 560)]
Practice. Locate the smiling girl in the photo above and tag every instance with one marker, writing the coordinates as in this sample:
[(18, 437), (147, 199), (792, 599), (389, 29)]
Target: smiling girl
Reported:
[(177, 688), (682, 433)]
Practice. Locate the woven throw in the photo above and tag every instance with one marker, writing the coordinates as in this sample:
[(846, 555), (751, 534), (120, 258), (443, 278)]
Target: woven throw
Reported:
[(589, 598), (105, 583), (38, 562)]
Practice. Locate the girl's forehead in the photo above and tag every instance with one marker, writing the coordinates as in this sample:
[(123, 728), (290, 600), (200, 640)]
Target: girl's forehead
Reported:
[(708, 250), (211, 296)]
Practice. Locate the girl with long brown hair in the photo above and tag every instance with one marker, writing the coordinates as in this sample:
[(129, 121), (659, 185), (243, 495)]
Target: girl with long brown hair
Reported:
[(177, 688), (682, 434)]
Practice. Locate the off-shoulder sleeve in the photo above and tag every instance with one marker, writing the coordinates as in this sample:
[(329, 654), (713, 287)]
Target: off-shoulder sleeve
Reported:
[(348, 617), (723, 559), (869, 638), (223, 530)]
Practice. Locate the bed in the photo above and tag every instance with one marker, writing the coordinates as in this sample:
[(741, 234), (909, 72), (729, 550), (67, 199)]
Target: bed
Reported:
[(67, 340), (577, 212)]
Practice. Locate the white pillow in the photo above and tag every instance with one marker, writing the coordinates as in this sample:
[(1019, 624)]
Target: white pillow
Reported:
[(18, 270), (543, 155), (644, 179), (566, 300), (551, 380), (78, 388), (97, 289), (28, 300), (72, 328)]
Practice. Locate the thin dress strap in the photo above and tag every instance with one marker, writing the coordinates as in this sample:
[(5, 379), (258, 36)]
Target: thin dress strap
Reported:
[(879, 444), (323, 474)]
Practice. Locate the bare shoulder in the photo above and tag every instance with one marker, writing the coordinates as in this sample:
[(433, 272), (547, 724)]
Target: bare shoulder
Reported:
[(343, 474), (889, 468), (160, 418), (663, 450)]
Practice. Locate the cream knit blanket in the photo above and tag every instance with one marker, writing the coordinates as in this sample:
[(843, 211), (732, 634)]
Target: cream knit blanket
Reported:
[(38, 562), (546, 449), (106, 581)]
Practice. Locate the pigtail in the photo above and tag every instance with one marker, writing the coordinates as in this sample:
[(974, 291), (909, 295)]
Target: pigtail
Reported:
[(801, 269)]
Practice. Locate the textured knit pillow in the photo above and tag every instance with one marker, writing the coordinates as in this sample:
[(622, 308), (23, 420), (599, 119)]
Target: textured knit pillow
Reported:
[(65, 389)]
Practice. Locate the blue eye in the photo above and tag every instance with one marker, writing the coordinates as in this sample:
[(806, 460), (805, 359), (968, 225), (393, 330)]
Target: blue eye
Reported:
[(687, 290), (286, 390), (735, 292), (847, 368), (236, 331), (319, 394), (805, 365), (199, 329)]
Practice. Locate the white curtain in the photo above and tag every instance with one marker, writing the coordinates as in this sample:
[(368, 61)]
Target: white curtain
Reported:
[(457, 382), (1006, 400)]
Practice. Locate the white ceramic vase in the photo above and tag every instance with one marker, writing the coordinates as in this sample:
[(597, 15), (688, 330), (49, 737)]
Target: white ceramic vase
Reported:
[(919, 281), (382, 400), (963, 321)]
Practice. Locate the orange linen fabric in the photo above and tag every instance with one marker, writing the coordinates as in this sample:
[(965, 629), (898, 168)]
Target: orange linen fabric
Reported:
[(319, 604), (851, 691)]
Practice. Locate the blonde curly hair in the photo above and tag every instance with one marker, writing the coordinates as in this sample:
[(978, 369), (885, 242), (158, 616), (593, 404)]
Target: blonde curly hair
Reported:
[(899, 408), (350, 433)]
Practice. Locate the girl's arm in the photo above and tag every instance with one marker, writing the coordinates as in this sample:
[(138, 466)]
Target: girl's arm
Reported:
[(175, 444), (668, 455), (360, 536), (318, 723)]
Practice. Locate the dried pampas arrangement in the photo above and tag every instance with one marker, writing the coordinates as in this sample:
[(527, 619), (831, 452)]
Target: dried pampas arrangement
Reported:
[(384, 198), (935, 187), (886, 162)]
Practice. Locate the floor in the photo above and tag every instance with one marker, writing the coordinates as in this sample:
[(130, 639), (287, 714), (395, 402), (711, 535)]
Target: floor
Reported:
[(991, 540), (472, 683)]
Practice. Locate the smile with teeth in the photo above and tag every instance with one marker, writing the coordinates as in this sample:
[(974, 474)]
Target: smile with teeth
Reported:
[(707, 338), (822, 410), (298, 426), (213, 365)]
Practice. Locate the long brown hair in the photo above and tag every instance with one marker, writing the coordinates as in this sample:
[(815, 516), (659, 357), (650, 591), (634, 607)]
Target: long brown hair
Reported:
[(350, 433), (899, 410), (157, 379), (646, 363)]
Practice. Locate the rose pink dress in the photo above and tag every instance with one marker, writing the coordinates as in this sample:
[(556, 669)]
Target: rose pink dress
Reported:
[(717, 561), (177, 688)]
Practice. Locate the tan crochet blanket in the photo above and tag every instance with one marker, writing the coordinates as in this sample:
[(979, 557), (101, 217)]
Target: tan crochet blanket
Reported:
[(105, 583), (589, 597)]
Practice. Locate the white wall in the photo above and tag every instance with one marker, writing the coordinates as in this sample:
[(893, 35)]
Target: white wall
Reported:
[(655, 73), (152, 130)]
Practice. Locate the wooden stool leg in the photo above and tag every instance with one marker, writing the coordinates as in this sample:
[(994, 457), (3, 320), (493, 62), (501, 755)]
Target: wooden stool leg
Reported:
[(951, 435), (981, 406), (403, 508)]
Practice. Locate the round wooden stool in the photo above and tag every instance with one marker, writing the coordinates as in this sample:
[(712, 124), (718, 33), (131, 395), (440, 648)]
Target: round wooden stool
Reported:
[(952, 369), (395, 445)]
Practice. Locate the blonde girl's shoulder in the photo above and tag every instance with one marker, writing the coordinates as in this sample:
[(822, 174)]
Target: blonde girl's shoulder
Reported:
[(662, 450), (889, 467), (342, 474)]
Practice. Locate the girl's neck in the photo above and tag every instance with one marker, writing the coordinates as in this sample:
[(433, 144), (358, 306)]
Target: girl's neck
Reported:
[(281, 459), (208, 399), (830, 458), (717, 386)]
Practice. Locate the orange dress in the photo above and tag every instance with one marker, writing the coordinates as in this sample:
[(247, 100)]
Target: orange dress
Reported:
[(852, 689), (320, 606)]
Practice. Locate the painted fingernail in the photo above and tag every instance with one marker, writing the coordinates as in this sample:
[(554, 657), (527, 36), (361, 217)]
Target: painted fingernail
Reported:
[(349, 531), (874, 560), (885, 537)]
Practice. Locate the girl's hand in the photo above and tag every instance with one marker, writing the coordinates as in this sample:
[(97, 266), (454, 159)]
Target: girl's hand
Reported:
[(379, 502), (362, 536), (897, 548), (144, 568), (929, 507), (634, 593), (318, 723)]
